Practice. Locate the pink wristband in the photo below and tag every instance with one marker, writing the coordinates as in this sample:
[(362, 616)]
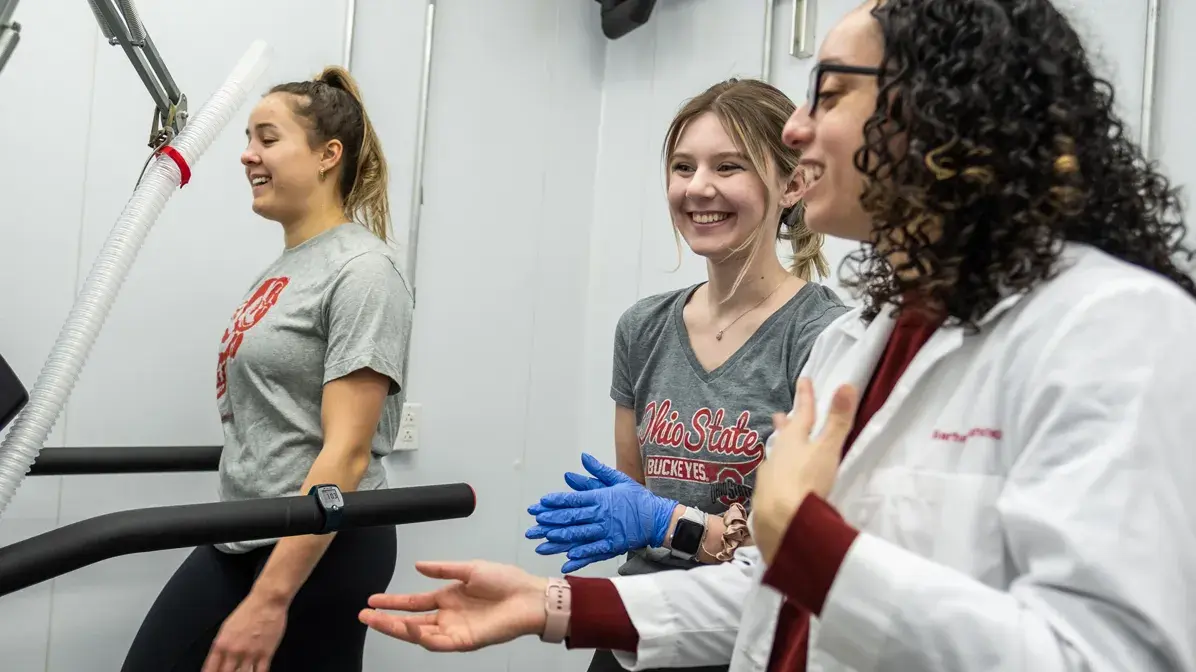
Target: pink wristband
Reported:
[(557, 606)]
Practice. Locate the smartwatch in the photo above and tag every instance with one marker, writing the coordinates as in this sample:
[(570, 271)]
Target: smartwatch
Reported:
[(331, 502), (688, 535)]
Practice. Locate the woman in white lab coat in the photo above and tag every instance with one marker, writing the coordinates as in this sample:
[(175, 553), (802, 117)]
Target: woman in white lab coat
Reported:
[(1011, 401)]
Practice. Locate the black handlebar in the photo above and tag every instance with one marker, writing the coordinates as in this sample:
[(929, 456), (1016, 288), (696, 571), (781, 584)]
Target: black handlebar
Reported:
[(125, 460), (71, 547), (68, 548)]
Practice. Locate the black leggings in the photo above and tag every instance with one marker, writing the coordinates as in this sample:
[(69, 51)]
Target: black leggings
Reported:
[(322, 632)]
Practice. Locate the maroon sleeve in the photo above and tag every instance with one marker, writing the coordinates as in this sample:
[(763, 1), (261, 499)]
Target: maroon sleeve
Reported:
[(598, 619), (811, 553)]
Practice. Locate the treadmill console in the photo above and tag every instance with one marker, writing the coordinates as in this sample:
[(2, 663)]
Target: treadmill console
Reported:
[(13, 395)]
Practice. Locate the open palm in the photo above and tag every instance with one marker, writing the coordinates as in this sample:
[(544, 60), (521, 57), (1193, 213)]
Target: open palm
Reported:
[(487, 604)]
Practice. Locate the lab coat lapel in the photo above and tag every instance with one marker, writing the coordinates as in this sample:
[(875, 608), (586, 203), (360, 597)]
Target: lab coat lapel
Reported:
[(870, 445), (858, 364)]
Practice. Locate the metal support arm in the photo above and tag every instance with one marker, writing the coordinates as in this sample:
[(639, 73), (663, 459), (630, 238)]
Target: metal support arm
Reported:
[(10, 31), (121, 25)]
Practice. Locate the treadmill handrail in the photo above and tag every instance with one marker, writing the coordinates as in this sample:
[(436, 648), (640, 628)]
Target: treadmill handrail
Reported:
[(87, 542), (76, 461)]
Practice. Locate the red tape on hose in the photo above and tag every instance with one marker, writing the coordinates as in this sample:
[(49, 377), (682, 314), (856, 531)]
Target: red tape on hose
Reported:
[(184, 169)]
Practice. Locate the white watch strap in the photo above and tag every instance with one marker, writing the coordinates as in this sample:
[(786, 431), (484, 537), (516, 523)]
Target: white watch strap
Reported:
[(698, 516)]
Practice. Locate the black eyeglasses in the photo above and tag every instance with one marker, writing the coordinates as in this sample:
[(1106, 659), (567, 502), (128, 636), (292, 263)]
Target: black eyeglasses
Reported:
[(820, 69)]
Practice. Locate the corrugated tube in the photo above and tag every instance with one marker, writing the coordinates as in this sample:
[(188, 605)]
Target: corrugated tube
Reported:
[(160, 180)]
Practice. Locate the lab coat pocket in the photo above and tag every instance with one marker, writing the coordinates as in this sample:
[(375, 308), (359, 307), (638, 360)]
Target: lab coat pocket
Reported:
[(949, 517)]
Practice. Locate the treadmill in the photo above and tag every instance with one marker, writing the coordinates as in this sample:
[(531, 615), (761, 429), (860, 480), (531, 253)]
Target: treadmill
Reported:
[(89, 541)]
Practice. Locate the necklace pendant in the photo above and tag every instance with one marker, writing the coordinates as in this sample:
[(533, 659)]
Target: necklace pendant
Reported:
[(718, 336)]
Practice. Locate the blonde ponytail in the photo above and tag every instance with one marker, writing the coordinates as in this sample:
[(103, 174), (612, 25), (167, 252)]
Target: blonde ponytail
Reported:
[(808, 258)]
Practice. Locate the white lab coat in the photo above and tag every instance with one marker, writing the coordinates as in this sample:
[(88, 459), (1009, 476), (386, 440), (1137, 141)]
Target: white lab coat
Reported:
[(1026, 498)]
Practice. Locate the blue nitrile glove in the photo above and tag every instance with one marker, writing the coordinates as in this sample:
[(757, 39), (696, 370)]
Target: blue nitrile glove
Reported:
[(599, 520), (606, 476)]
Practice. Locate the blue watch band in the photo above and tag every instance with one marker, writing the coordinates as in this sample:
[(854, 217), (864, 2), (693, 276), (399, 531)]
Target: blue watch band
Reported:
[(331, 502)]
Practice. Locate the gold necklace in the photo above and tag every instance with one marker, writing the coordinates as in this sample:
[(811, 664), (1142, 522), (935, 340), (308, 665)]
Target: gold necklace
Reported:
[(719, 335)]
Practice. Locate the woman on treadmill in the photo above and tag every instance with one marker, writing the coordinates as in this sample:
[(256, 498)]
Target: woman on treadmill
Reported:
[(307, 386)]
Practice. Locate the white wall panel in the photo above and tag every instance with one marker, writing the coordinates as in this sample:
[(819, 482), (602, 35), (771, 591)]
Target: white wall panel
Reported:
[(387, 62), (1114, 34), (1175, 96)]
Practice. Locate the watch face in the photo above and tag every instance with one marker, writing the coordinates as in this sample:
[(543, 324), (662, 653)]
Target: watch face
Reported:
[(688, 536), (331, 497)]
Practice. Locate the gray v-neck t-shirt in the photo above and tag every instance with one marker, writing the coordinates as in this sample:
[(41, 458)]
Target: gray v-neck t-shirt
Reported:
[(702, 433)]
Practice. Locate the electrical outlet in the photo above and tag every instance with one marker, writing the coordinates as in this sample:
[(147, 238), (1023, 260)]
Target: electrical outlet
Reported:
[(410, 415), (408, 438)]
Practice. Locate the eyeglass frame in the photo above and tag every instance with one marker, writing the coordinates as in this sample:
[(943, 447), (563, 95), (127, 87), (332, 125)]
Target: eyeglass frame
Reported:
[(820, 68)]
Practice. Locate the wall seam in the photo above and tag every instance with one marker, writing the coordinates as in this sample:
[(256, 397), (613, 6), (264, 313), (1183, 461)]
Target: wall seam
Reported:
[(639, 267), (536, 269)]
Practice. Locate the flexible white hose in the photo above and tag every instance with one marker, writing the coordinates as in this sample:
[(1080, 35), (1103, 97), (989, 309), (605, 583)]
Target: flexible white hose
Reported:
[(161, 179)]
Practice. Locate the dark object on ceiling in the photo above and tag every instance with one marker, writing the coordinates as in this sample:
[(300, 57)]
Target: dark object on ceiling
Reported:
[(620, 17)]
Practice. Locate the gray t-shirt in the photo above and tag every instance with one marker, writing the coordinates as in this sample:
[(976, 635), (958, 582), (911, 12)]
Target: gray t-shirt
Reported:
[(701, 432), (327, 307)]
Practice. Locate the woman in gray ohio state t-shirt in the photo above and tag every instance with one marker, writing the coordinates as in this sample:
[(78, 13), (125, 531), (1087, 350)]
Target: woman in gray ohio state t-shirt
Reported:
[(700, 371), (700, 431)]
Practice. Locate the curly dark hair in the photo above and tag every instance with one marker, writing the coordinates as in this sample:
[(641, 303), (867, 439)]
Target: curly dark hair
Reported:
[(993, 132)]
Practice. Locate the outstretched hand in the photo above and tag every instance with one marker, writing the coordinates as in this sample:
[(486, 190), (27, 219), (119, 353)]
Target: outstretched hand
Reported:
[(487, 604), (604, 517)]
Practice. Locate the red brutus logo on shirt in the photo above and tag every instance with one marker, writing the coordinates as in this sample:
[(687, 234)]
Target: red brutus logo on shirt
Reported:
[(705, 430), (250, 313)]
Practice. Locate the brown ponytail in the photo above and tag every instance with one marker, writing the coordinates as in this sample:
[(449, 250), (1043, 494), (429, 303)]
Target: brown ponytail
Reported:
[(333, 107)]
